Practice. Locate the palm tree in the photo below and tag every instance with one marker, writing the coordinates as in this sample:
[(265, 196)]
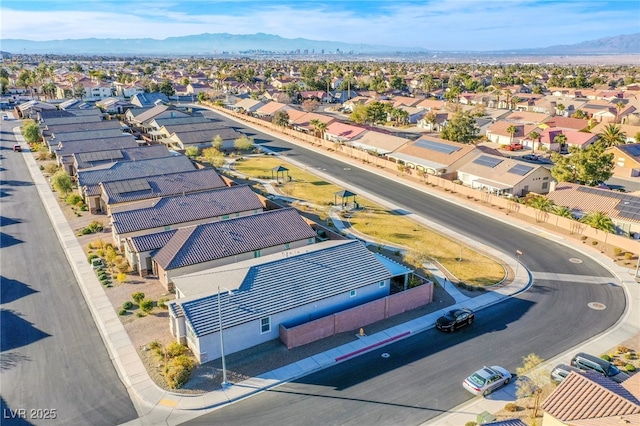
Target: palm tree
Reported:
[(560, 108), (512, 130), (619, 107), (563, 211), (535, 137), (612, 135), (540, 203), (561, 139), (599, 220)]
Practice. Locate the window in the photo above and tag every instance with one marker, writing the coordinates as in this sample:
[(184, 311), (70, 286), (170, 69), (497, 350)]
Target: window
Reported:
[(256, 253), (381, 284), (545, 185), (225, 217), (310, 241), (265, 325), (237, 214), (287, 246), (167, 228), (352, 293)]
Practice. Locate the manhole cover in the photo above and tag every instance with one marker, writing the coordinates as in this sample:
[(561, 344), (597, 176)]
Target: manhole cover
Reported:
[(597, 306), (575, 260), (385, 355)]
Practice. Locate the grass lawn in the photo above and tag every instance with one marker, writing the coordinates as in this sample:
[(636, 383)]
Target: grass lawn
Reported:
[(383, 225)]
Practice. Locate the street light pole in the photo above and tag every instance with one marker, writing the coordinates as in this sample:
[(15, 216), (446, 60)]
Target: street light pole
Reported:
[(224, 366)]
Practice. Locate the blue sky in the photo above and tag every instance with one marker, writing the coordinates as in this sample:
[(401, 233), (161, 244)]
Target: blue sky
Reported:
[(430, 24)]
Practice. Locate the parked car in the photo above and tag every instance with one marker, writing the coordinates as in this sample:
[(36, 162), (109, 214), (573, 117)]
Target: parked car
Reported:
[(455, 319), (17, 147), (561, 371), (593, 363), (530, 157), (513, 147), (486, 380)]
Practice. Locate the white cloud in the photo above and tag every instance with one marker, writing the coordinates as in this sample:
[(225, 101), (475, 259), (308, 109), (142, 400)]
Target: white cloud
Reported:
[(436, 25)]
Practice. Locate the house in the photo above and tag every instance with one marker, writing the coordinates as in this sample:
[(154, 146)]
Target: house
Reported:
[(65, 151), (283, 289), (85, 160), (270, 108), (114, 105), (166, 213), (525, 117), (120, 195), (89, 179), (499, 175), (247, 105), (626, 160), (200, 247), (167, 130), (54, 130), (140, 249), (414, 114), (431, 104), (301, 121), (440, 119), (588, 398), (147, 100), (498, 132), (379, 143), (140, 118), (434, 156), (342, 132), (30, 109), (157, 123), (197, 88), (577, 139), (203, 139), (631, 132), (566, 123), (622, 208)]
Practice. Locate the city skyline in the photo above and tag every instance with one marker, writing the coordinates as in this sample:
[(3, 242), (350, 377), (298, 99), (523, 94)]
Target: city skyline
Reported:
[(442, 25)]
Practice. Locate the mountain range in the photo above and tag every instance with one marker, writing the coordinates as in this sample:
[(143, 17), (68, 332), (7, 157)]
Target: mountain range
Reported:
[(212, 44)]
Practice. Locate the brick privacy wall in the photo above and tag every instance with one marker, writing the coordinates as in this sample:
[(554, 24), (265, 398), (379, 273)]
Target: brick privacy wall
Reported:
[(307, 333), (354, 318), (408, 300), (507, 205)]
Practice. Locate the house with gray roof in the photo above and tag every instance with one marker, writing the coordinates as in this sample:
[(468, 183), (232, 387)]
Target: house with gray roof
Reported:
[(52, 130), (202, 139), (119, 195), (64, 151), (71, 118), (167, 130), (157, 123), (89, 179), (165, 213), (84, 134), (85, 160), (144, 99), (288, 288), (200, 247), (139, 250)]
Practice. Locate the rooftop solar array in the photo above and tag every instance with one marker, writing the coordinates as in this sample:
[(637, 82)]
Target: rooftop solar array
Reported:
[(132, 185), (89, 157), (485, 160), (520, 169), (437, 146), (633, 150), (628, 206)]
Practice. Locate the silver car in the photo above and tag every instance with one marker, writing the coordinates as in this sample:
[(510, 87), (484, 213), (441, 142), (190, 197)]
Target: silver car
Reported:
[(486, 380)]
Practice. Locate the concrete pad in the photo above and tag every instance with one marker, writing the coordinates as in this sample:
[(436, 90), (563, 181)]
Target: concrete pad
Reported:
[(323, 360)]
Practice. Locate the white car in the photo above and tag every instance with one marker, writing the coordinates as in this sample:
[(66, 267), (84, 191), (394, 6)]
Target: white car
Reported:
[(486, 380)]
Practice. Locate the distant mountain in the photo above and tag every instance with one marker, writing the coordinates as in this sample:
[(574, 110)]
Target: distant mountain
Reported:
[(620, 44), (202, 44)]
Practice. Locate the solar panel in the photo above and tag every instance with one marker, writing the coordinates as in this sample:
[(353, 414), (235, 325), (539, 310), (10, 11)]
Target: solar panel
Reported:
[(520, 169), (485, 160), (437, 146), (89, 157), (633, 150), (132, 185), (629, 207)]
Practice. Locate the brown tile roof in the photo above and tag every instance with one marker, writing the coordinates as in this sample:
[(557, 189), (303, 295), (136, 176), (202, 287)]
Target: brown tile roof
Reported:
[(589, 396), (458, 151), (567, 123), (500, 128), (527, 117)]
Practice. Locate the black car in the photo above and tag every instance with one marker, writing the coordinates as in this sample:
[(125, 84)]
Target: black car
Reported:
[(455, 319)]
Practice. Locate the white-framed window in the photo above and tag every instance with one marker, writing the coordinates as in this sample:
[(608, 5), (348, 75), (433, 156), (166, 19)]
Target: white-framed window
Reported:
[(265, 325), (287, 246), (256, 253), (545, 185), (381, 284), (353, 293), (225, 217)]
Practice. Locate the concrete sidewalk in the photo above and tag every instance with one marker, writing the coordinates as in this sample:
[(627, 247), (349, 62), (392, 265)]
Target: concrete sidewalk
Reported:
[(157, 406)]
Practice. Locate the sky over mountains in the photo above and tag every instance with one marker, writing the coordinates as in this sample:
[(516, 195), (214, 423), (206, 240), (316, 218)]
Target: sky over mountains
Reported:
[(442, 25)]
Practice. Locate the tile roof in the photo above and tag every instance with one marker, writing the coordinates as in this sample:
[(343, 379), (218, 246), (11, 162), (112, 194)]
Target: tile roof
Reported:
[(205, 137), (72, 119), (589, 396), (92, 134), (164, 186), (179, 209), (91, 145), (567, 123), (500, 128), (500, 170), (449, 154), (149, 242), (380, 142), (573, 136), (149, 113), (526, 117), (167, 121), (344, 131), (122, 170), (208, 126), (56, 129), (202, 243), (90, 159), (584, 199), (271, 107), (281, 282)]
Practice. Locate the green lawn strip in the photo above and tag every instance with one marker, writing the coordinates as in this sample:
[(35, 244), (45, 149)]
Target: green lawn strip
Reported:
[(381, 224)]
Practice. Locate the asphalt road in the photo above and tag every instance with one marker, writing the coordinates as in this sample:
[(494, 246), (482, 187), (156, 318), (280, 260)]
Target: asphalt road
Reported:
[(422, 377), (51, 354)]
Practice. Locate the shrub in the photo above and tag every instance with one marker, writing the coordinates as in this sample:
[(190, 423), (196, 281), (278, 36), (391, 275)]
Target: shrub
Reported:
[(127, 305), (606, 357), (51, 168), (175, 349), (140, 314), (155, 345), (471, 424), (594, 243), (122, 312), (95, 226), (138, 297), (622, 349), (178, 370), (628, 355), (146, 305), (162, 303), (619, 363), (628, 256), (630, 368), (73, 199), (617, 251), (511, 407), (583, 238), (121, 277), (91, 257)]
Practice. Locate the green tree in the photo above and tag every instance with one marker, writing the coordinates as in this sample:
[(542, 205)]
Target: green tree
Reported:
[(535, 137), (561, 140), (31, 131), (563, 211), (397, 82), (137, 297), (541, 203), (460, 128), (280, 118), (192, 151), (612, 135), (217, 143), (62, 182), (243, 143), (599, 220), (213, 156), (202, 97), (511, 130), (590, 166), (167, 88), (359, 114), (146, 306), (376, 113)]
